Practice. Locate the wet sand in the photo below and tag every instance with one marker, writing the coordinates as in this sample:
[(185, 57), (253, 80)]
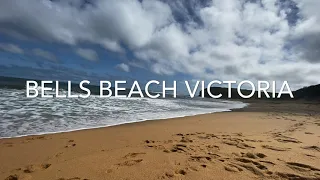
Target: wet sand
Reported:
[(267, 140)]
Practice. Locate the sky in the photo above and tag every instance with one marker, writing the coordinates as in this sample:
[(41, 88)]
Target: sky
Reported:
[(273, 40)]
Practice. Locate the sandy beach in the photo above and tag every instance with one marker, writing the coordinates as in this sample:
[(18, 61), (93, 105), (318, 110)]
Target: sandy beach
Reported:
[(159, 90), (269, 140)]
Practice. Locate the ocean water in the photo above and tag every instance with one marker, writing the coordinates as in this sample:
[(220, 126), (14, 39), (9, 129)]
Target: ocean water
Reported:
[(20, 116)]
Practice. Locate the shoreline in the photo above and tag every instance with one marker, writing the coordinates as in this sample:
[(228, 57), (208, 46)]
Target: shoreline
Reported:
[(248, 143), (106, 126), (115, 125)]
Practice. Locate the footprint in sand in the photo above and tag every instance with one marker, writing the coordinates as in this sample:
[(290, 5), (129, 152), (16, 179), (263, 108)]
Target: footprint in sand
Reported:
[(186, 140), (313, 148), (59, 154), (181, 171), (232, 168), (35, 138), (204, 165), (8, 144), (267, 162), (133, 155), (33, 168), (288, 140), (208, 136), (302, 167), (309, 133), (309, 155), (214, 155), (202, 159), (169, 174), (130, 162), (179, 148), (310, 172), (253, 140), (213, 147), (238, 144), (254, 155), (285, 139), (12, 177), (150, 143), (294, 176), (71, 143), (19, 177), (274, 148), (253, 166)]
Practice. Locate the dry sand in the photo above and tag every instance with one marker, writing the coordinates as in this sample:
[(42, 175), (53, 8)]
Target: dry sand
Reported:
[(264, 141)]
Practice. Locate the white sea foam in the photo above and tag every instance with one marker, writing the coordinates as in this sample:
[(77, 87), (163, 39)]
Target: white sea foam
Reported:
[(20, 116)]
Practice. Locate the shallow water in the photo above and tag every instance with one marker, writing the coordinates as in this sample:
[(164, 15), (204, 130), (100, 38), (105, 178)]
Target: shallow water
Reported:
[(21, 116)]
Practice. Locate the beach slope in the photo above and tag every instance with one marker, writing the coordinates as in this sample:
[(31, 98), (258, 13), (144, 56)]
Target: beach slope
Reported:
[(228, 145)]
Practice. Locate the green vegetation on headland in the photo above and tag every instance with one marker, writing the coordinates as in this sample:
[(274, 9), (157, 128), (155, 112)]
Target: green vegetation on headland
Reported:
[(306, 93)]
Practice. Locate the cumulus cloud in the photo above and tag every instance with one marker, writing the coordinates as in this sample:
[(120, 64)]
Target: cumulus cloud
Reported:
[(108, 23), (123, 67), (209, 39), (306, 36), (44, 54), (87, 54), (12, 48)]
